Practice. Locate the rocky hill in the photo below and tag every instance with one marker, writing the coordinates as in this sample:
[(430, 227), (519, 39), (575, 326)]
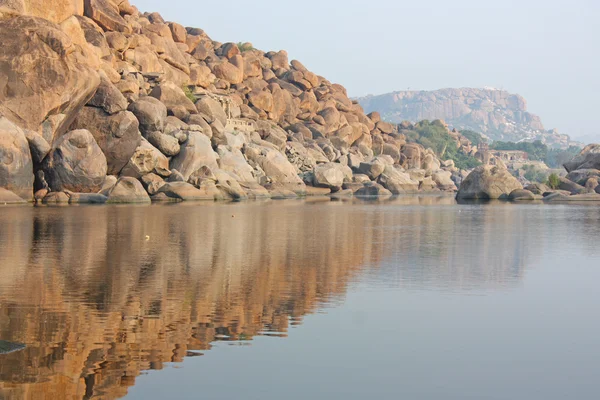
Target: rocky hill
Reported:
[(99, 102), (495, 113)]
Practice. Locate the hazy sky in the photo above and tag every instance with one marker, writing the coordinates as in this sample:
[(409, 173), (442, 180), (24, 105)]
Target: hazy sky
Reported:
[(546, 50)]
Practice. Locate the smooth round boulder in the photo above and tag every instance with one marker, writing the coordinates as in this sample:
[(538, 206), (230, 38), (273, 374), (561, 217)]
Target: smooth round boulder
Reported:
[(488, 182), (521, 195), (128, 190), (151, 114), (75, 163)]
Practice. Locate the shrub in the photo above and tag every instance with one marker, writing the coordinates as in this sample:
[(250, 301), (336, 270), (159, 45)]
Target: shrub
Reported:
[(244, 47), (553, 181), (189, 94)]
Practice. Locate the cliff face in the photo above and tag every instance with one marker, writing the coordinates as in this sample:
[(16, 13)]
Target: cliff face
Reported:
[(495, 113), (165, 106)]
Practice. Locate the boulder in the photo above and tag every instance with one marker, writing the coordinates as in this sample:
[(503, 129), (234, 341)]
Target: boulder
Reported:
[(569, 186), (443, 180), (372, 169), (167, 144), (521, 195), (329, 175), (397, 182), (117, 135), (232, 161), (16, 166), (38, 146), (56, 10), (589, 158), (195, 153), (581, 176), (212, 109), (152, 183), (488, 182), (8, 197), (276, 167), (56, 198), (172, 96), (537, 188), (75, 163), (106, 14), (229, 186), (145, 160), (151, 114), (86, 198), (128, 190), (108, 97), (372, 189), (185, 192), (43, 75)]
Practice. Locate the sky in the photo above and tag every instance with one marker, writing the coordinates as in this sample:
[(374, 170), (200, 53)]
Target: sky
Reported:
[(545, 50)]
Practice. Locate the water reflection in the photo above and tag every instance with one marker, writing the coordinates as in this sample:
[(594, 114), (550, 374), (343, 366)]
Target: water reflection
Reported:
[(100, 294)]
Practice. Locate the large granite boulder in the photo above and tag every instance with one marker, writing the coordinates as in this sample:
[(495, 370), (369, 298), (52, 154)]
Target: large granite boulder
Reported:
[(172, 96), (488, 182), (195, 153), (106, 14), (16, 166), (43, 74), (397, 182), (53, 10), (128, 190), (329, 175), (581, 176), (145, 160), (117, 135), (276, 167), (589, 158), (108, 97), (75, 163), (151, 114)]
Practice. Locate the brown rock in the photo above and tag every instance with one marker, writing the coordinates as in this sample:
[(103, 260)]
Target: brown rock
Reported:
[(55, 10), (488, 182), (75, 163), (117, 135), (229, 72), (172, 96), (150, 112), (16, 167), (195, 153), (178, 32), (44, 74), (262, 100), (105, 14), (108, 97), (128, 190)]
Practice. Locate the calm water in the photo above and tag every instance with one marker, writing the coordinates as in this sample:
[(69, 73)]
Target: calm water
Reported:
[(416, 298)]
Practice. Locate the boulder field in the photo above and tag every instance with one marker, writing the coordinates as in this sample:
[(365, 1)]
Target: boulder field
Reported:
[(102, 103), (495, 182)]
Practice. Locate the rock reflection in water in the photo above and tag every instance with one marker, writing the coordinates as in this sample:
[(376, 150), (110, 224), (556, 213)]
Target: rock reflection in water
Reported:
[(100, 294)]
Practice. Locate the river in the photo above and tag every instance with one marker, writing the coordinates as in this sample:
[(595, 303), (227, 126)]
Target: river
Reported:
[(412, 298)]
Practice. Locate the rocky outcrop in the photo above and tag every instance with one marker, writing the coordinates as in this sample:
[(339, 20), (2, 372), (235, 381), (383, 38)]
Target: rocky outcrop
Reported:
[(488, 182), (498, 114), (97, 88)]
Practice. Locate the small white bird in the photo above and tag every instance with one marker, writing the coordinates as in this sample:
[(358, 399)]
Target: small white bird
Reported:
[(147, 237)]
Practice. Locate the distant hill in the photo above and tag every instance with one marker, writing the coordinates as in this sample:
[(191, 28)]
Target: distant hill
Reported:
[(497, 114)]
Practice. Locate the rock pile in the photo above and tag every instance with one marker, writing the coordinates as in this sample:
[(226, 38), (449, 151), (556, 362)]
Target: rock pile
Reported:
[(102, 99), (496, 182)]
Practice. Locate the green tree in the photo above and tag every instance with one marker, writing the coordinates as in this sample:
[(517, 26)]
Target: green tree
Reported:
[(553, 181)]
